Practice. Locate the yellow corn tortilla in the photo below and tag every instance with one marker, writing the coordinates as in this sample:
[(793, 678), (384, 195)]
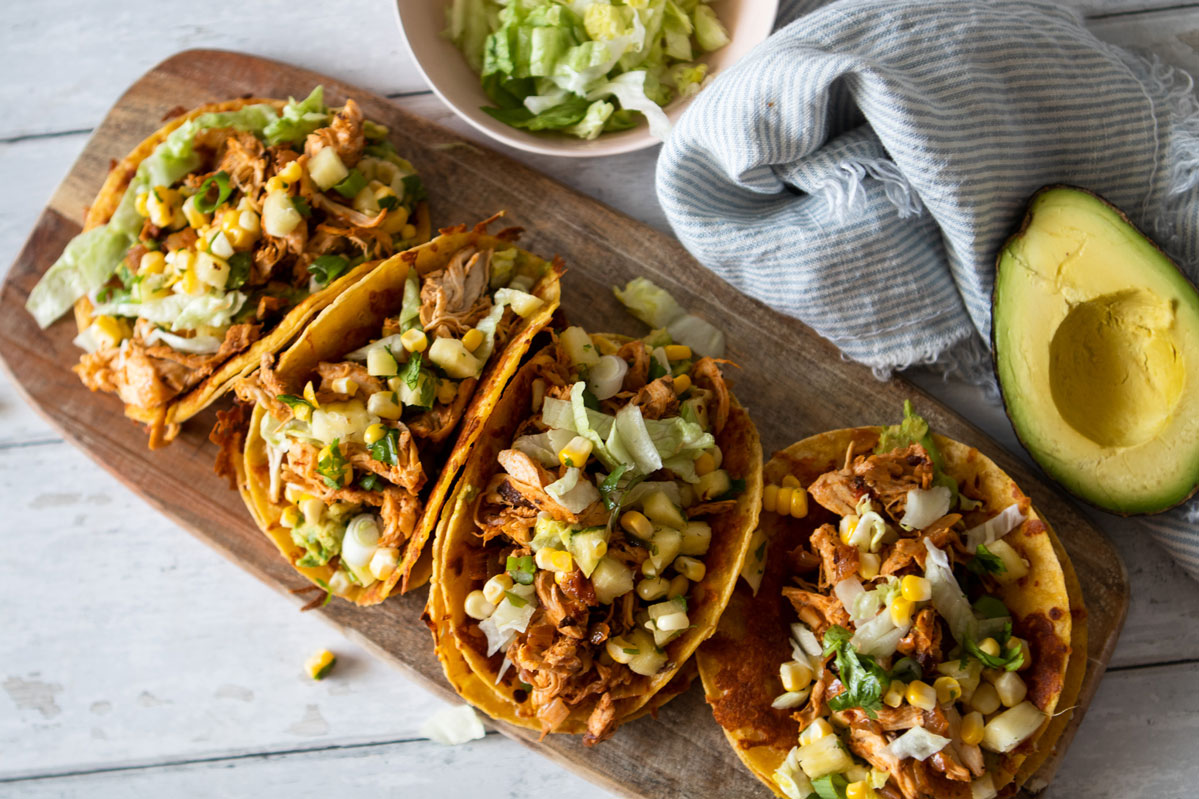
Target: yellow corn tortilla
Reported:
[(164, 420), (739, 664), (354, 319), (473, 674)]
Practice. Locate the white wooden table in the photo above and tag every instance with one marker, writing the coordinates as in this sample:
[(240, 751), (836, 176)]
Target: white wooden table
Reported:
[(137, 662)]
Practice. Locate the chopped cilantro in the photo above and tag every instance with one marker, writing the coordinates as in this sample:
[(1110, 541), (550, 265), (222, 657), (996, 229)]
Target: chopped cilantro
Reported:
[(656, 370), (354, 182), (607, 488), (1009, 658), (369, 482), (239, 269), (388, 203), (292, 401), (332, 466), (386, 449), (327, 268), (736, 488), (985, 562), (301, 205), (990, 607), (864, 679), (411, 373)]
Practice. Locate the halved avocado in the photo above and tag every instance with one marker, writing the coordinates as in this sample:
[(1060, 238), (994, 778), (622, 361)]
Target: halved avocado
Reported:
[(1096, 346)]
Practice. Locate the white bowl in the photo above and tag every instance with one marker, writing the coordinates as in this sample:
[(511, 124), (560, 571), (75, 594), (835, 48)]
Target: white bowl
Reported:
[(444, 67)]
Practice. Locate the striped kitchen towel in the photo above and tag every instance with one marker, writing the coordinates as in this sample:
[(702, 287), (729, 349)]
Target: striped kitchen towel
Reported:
[(860, 169)]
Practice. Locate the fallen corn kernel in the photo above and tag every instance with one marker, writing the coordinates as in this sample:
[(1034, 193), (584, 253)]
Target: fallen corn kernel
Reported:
[(319, 665), (682, 384)]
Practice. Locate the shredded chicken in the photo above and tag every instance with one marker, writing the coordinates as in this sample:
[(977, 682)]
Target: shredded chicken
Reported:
[(923, 641), (839, 560), (455, 298), (657, 399), (706, 374)]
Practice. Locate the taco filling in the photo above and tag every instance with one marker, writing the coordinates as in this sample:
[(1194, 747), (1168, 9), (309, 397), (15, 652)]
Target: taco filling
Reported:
[(909, 676), (350, 445), (596, 527), (232, 221)]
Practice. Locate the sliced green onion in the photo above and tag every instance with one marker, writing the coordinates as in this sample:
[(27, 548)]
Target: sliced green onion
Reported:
[(221, 181)]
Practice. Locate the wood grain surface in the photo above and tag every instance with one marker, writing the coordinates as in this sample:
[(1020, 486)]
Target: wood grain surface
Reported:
[(794, 383)]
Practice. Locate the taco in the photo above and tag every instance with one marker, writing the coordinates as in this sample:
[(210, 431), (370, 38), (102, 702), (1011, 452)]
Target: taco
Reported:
[(595, 534), (348, 458), (217, 239), (916, 632)]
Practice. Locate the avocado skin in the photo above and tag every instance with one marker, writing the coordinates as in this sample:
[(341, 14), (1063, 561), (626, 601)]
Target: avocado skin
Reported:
[(1075, 479)]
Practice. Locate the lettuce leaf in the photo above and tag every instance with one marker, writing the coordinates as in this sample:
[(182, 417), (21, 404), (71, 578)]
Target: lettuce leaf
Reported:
[(298, 119)]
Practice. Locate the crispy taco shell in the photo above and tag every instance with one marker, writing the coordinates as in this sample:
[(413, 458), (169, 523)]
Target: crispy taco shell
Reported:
[(354, 319), (460, 645), (739, 664), (163, 420)]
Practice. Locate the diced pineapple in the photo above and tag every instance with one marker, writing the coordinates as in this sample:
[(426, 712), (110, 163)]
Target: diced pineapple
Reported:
[(1012, 727), (824, 756)]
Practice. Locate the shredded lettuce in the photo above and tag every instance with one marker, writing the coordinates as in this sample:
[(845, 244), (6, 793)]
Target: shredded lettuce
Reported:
[(994, 528), (573, 492), (181, 311), (584, 67), (948, 598), (510, 618), (656, 307), (197, 345), (298, 119)]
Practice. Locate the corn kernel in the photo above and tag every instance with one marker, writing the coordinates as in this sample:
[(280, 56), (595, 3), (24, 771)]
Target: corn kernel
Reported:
[(191, 282), (109, 331), (916, 588), (783, 504), (344, 385), (795, 675), (477, 606), (561, 561), (990, 646), (542, 558), (704, 464), (310, 394), (140, 203), (895, 694), (447, 391), (820, 728), (408, 232), (1025, 652), (620, 650), (414, 340), (682, 384), (652, 588), (161, 205), (193, 215), (922, 695), (576, 453), (691, 568), (275, 183), (948, 689), (679, 586), (901, 611), (791, 481), (249, 222), (972, 728), (848, 525), (1010, 688), (799, 503), (374, 433), (302, 412), (770, 497), (293, 492), (637, 524), (869, 565), (152, 263), (473, 339), (677, 352), (292, 172), (495, 587), (291, 517), (859, 790), (319, 665), (985, 699), (384, 562)]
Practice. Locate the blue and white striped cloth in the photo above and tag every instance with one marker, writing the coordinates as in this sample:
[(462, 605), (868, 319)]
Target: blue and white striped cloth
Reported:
[(860, 169)]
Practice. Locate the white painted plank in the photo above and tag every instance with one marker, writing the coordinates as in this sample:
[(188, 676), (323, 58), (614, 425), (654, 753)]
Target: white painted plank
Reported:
[(80, 56), (1172, 35), (493, 767), (1138, 740), (128, 641)]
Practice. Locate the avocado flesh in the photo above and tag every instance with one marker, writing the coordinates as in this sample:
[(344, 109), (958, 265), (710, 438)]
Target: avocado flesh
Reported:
[(1096, 342)]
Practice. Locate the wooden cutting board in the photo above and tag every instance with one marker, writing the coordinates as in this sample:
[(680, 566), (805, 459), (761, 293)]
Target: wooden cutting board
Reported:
[(794, 383)]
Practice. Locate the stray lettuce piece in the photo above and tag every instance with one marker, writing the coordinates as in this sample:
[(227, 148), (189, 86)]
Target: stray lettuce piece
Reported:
[(299, 119), (649, 303), (709, 30), (593, 122), (915, 430)]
